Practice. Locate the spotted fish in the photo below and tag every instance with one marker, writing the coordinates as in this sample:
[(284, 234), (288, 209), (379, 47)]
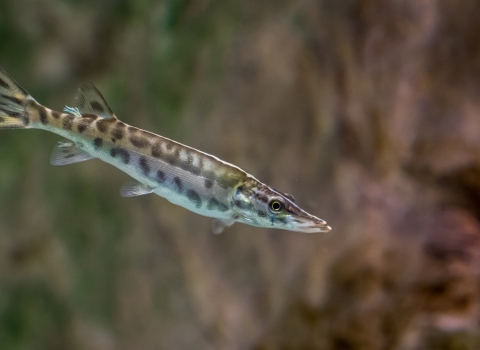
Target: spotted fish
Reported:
[(185, 176)]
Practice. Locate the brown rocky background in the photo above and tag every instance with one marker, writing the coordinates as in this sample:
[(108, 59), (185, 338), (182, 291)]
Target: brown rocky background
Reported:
[(367, 111)]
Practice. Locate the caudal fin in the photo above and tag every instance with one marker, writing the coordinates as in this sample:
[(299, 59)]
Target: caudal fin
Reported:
[(14, 102)]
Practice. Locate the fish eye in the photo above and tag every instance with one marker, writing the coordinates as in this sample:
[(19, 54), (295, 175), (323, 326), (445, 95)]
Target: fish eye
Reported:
[(275, 206)]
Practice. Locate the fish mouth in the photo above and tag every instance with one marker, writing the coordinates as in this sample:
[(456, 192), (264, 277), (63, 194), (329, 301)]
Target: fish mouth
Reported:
[(312, 225), (314, 228)]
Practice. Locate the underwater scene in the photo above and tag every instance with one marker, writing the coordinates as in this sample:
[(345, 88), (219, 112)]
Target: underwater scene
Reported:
[(218, 174)]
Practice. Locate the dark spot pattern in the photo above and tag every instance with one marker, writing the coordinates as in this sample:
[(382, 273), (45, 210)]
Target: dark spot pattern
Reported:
[(178, 184), (97, 143), (122, 153), (119, 131), (194, 198), (156, 150), (12, 99), (55, 115), (68, 122), (215, 204), (189, 166), (81, 127), (43, 115), (96, 106), (86, 120), (142, 161), (11, 113), (260, 196), (194, 169), (208, 183), (4, 84), (161, 176), (174, 160), (227, 181), (103, 124), (261, 214), (138, 141), (171, 158)]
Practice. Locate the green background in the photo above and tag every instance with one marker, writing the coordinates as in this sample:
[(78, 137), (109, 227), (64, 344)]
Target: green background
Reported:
[(368, 112)]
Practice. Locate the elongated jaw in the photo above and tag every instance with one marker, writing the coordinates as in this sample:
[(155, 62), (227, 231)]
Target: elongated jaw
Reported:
[(312, 228), (308, 223)]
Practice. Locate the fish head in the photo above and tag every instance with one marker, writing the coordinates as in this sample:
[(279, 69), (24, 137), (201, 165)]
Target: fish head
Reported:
[(260, 205)]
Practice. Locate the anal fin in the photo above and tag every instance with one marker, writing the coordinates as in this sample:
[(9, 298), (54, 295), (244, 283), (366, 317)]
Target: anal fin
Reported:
[(67, 153), (133, 189)]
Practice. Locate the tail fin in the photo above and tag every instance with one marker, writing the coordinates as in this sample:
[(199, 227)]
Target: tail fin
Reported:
[(14, 102)]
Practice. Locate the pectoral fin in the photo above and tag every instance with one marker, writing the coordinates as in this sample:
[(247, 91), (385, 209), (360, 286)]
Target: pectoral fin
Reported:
[(67, 153), (220, 225), (133, 189)]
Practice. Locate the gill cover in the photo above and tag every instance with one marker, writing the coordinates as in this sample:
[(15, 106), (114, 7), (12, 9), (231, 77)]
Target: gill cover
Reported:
[(243, 200)]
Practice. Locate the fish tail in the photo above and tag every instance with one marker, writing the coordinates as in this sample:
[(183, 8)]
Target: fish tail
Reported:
[(15, 104)]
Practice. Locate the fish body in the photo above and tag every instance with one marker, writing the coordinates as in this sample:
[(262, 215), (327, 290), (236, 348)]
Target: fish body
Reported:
[(195, 180)]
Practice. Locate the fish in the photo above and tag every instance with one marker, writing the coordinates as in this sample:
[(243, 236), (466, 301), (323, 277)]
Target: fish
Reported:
[(195, 180)]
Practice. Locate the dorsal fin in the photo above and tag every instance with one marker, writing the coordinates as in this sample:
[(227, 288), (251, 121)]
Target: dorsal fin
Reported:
[(90, 101)]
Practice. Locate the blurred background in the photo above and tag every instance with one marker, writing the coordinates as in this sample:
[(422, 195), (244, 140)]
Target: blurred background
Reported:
[(368, 112)]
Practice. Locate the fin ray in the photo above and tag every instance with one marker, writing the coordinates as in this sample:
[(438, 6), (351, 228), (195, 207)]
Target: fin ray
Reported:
[(13, 101), (133, 189), (67, 153), (72, 110), (90, 101)]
